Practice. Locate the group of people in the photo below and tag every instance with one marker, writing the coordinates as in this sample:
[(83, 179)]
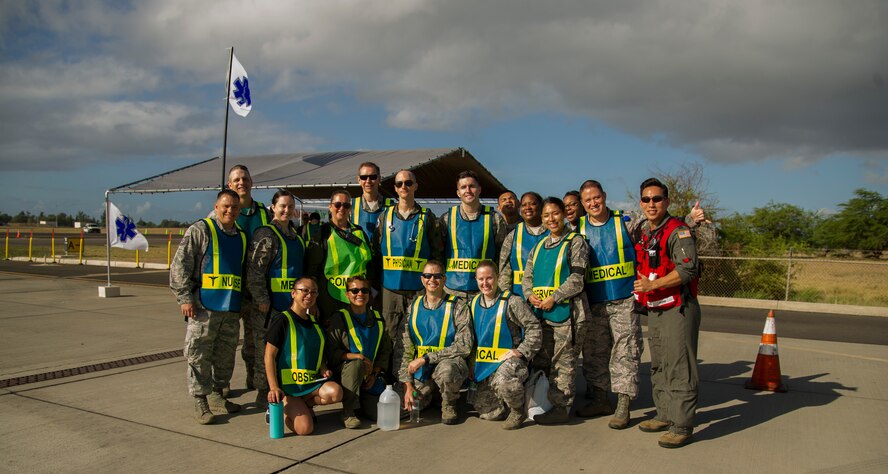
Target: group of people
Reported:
[(386, 292)]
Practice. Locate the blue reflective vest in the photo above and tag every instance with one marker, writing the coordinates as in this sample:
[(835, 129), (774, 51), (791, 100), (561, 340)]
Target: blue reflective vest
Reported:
[(492, 334), (285, 269), (551, 267), (222, 274), (468, 242), (522, 243), (362, 339), (367, 220), (256, 219), (301, 358), (405, 250), (611, 270), (430, 330)]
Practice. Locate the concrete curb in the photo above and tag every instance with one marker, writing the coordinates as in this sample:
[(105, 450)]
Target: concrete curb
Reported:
[(795, 306)]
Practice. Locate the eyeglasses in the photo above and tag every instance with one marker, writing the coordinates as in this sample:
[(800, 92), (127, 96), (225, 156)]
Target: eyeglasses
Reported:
[(371, 177), (436, 276), (647, 199), (355, 291), (406, 182), (341, 205), (307, 291)]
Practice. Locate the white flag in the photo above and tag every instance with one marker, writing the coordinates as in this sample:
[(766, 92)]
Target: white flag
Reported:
[(122, 231), (239, 89)]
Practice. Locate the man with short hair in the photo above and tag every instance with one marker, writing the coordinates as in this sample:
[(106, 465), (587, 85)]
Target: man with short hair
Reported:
[(406, 238), (507, 205), (367, 207), (206, 277), (667, 288), (435, 341), (471, 232)]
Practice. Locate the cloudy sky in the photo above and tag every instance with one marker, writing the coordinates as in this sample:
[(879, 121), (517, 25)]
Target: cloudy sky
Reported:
[(783, 101)]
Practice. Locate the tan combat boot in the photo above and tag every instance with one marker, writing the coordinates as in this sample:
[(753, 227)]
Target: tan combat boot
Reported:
[(674, 440), (202, 412), (555, 416), (516, 417), (448, 413), (653, 425), (220, 405), (600, 405), (621, 416)]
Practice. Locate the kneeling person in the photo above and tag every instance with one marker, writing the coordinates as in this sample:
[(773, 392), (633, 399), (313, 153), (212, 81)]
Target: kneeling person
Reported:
[(501, 357), (294, 361), (435, 342), (360, 344)]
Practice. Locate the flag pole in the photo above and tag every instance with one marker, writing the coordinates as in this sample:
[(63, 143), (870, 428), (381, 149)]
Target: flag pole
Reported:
[(225, 138), (108, 233)]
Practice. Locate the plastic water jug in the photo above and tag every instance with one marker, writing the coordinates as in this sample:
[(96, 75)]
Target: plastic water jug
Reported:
[(388, 410)]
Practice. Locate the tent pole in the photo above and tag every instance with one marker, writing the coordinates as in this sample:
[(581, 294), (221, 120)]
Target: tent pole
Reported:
[(225, 137), (108, 233)]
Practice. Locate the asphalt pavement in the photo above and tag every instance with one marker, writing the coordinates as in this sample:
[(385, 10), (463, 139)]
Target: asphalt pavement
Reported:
[(92, 384)]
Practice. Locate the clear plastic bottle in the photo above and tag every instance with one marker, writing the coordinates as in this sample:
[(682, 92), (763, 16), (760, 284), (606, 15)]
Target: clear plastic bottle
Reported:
[(388, 410), (416, 412)]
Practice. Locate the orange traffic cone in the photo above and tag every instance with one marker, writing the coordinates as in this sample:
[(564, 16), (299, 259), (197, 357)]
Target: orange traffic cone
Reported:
[(766, 374)]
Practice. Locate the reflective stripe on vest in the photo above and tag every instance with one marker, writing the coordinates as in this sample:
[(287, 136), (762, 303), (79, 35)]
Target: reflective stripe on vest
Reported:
[(492, 334), (300, 360), (344, 260), (222, 273), (522, 243), (549, 275), (662, 298), (362, 338), (285, 269), (464, 250), (611, 270), (367, 220), (405, 252), (432, 333), (249, 223)]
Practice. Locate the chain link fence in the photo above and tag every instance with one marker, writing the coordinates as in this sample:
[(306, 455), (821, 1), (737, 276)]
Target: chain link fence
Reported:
[(849, 281)]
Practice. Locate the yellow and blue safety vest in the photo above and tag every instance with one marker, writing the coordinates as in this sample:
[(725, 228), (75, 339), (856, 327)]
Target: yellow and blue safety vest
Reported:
[(611, 270), (492, 334), (367, 220), (300, 359), (522, 243), (222, 274), (468, 243), (405, 250), (361, 338), (430, 330), (551, 267), (285, 269), (256, 219)]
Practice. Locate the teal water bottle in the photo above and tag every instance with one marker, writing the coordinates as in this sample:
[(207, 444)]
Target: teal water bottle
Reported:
[(276, 420)]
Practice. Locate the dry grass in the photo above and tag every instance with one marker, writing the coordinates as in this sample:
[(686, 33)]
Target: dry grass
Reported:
[(855, 282)]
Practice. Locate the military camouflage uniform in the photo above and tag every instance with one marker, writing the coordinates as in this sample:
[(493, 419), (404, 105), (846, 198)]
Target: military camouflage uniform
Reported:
[(499, 235), (352, 372), (506, 385), (613, 344), (263, 250), (504, 280), (211, 336), (395, 302), (562, 341), (449, 367)]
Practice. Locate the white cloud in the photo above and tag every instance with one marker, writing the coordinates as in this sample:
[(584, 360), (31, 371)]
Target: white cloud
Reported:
[(141, 209)]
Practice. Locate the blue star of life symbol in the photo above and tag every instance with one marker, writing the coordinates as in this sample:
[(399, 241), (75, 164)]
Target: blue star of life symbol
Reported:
[(126, 230), (242, 91)]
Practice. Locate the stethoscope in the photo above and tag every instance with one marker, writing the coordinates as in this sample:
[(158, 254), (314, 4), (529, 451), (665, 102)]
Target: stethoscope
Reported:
[(413, 231)]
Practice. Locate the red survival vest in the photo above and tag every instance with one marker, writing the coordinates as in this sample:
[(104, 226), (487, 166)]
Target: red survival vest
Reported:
[(651, 253)]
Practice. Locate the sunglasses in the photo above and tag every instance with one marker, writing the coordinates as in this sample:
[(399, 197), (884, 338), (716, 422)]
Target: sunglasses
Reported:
[(407, 183), (341, 205), (307, 291), (355, 291), (371, 177), (647, 199), (436, 276)]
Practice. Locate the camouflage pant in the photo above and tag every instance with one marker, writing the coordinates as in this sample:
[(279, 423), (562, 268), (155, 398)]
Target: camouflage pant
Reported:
[(612, 347), (506, 385), (448, 377), (394, 308), (558, 359), (210, 348), (254, 325)]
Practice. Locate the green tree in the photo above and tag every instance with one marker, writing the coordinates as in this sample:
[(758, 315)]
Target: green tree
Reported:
[(862, 224)]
